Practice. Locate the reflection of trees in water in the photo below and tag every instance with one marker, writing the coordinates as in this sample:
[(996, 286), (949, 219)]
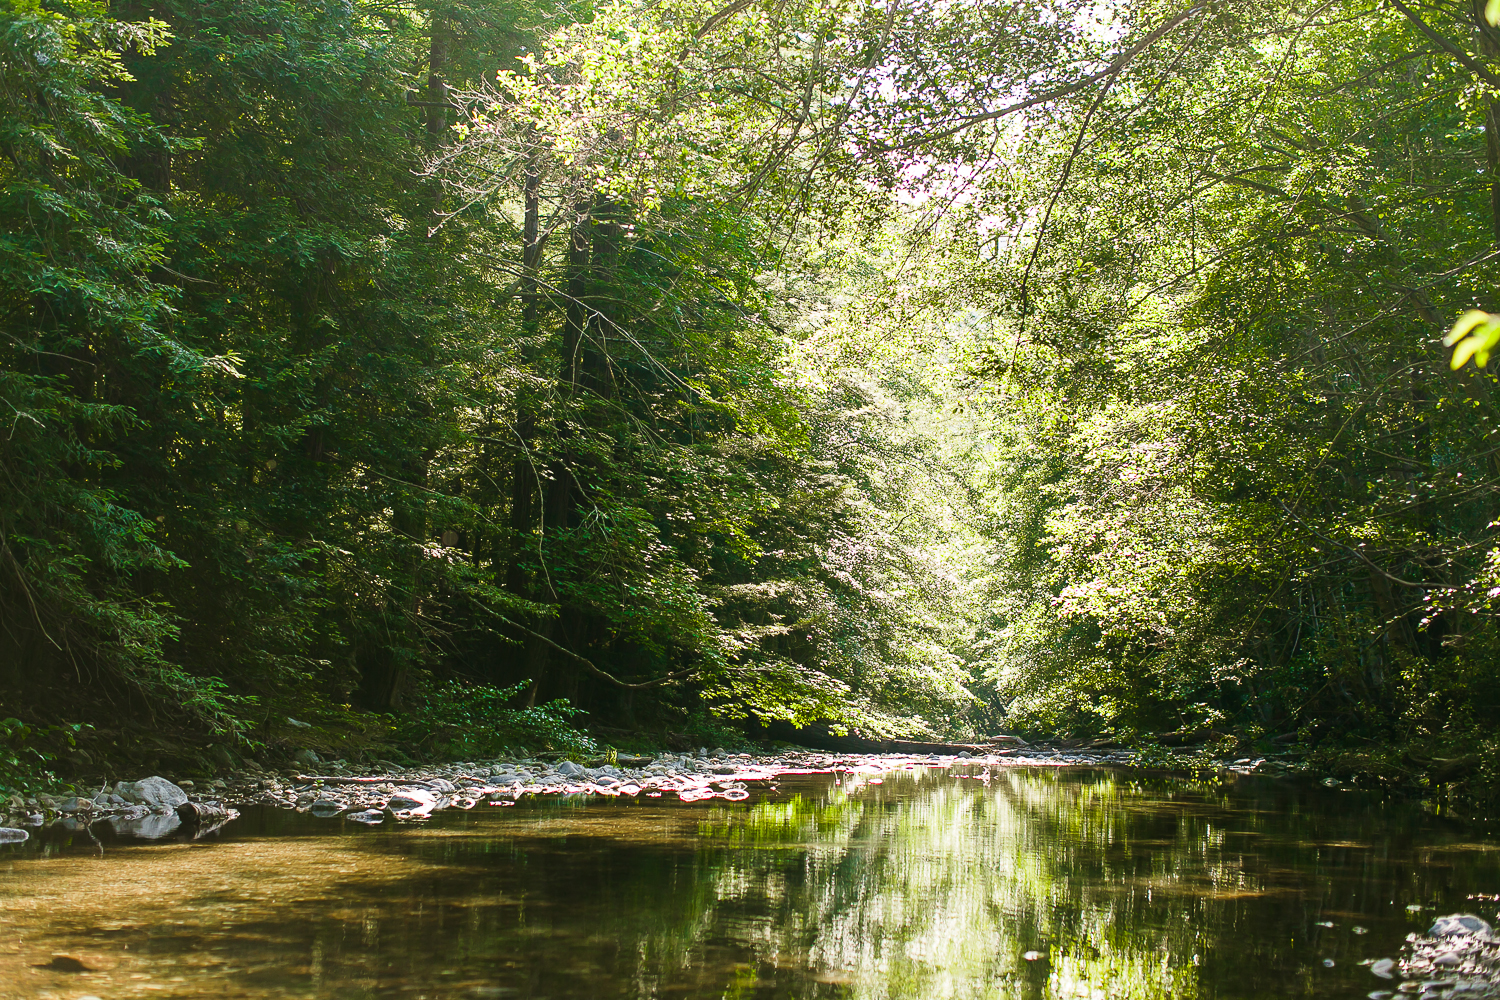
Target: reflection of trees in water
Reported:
[(925, 887), (934, 888), (931, 887)]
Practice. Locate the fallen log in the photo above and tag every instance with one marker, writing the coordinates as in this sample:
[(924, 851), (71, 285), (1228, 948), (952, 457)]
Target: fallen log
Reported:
[(1190, 737), (203, 818), (1103, 743), (336, 780), (820, 736)]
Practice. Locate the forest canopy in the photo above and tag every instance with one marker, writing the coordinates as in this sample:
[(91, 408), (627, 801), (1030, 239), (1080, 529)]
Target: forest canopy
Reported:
[(919, 368)]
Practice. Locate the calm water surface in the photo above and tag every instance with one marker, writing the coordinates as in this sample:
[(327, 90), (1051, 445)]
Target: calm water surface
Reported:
[(927, 886)]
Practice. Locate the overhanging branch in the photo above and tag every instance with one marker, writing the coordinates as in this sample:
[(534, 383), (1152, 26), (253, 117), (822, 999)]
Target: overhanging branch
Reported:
[(1113, 69)]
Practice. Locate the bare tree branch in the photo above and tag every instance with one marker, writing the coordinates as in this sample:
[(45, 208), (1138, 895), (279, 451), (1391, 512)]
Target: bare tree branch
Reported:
[(1113, 69), (591, 668), (1463, 57)]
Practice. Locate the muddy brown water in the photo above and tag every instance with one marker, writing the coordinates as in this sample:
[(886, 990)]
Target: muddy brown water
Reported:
[(928, 885)]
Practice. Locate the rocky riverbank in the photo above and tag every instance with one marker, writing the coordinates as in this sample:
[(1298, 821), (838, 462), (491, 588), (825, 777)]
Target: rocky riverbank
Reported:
[(149, 809), (154, 807), (1459, 956)]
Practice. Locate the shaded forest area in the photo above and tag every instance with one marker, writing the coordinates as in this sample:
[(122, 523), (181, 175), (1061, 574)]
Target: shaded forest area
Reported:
[(445, 377), (304, 427)]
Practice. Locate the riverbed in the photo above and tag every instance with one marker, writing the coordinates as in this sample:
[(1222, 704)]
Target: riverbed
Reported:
[(927, 882)]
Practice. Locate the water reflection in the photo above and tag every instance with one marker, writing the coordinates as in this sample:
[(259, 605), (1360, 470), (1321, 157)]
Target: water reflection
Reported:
[(931, 885)]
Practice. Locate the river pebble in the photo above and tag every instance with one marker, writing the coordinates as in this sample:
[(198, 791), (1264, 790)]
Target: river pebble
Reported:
[(1458, 957)]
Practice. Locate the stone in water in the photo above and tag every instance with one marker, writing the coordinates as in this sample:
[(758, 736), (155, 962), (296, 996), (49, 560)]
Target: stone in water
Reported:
[(413, 801), (1458, 923), (155, 792)]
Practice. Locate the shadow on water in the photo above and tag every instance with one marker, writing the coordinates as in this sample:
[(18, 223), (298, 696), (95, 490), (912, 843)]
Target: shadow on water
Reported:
[(926, 886)]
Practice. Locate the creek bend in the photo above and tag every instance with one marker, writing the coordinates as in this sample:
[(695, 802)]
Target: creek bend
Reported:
[(932, 883)]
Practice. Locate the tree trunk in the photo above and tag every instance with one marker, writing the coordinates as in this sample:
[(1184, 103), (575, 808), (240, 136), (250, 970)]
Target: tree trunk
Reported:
[(525, 484), (1489, 46), (558, 502)]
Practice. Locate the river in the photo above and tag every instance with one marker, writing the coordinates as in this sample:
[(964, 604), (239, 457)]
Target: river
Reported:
[(934, 883)]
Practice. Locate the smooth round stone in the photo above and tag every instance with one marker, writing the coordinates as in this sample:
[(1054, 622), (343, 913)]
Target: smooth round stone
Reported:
[(403, 801), (1458, 923)]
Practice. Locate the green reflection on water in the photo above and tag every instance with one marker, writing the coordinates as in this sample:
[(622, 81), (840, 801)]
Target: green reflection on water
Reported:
[(929, 885)]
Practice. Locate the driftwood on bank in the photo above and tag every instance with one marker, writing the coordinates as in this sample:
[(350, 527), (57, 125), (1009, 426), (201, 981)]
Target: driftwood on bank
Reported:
[(820, 736), (333, 779), (1191, 737), (199, 819)]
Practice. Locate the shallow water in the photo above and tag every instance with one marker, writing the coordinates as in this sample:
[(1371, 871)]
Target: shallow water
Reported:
[(926, 886)]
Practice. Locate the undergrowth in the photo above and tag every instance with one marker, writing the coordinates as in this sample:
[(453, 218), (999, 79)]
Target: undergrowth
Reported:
[(460, 720)]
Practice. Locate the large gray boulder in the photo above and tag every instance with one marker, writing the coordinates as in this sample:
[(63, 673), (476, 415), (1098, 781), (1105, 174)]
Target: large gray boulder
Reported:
[(1459, 923), (155, 793)]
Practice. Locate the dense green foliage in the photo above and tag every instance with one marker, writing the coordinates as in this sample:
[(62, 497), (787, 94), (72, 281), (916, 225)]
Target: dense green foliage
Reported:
[(460, 721), (301, 416), (921, 369), (1227, 479)]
